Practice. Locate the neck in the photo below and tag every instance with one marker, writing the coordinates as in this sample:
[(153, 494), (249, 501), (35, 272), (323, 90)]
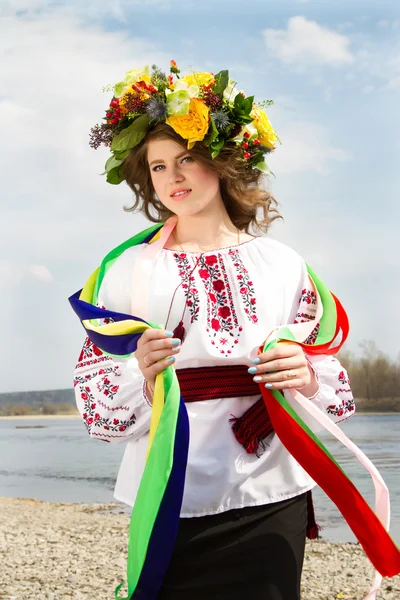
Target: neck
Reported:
[(207, 231)]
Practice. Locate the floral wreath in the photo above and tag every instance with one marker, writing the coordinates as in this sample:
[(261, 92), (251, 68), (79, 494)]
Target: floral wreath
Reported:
[(200, 107)]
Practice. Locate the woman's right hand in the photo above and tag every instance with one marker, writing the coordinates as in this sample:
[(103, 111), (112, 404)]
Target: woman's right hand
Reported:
[(155, 352)]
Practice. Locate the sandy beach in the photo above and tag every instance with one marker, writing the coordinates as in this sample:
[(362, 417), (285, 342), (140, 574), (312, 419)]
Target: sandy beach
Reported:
[(53, 551)]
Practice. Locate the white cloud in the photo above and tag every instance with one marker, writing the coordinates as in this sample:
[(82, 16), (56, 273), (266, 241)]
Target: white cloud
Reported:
[(52, 94), (305, 42), (41, 273), (306, 148)]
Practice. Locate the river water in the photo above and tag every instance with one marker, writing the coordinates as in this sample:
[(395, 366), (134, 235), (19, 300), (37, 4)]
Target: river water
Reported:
[(60, 463)]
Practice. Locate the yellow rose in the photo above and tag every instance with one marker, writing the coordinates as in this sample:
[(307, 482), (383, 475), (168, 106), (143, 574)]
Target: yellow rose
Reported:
[(267, 134), (199, 79), (193, 126)]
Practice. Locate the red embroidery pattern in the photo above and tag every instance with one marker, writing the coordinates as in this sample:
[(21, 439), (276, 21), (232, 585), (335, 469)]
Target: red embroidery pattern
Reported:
[(88, 350), (105, 385), (312, 338), (303, 315), (342, 410), (246, 288), (191, 293), (222, 322), (92, 418), (343, 378), (308, 297)]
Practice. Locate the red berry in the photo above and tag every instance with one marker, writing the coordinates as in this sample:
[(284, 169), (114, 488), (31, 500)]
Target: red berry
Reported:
[(108, 114), (114, 103), (256, 142), (247, 155), (115, 121), (246, 135), (245, 145)]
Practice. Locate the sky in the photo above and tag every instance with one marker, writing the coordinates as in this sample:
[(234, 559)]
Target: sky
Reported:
[(333, 71)]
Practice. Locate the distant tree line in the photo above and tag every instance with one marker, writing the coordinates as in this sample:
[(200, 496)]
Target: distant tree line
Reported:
[(21, 410), (374, 378)]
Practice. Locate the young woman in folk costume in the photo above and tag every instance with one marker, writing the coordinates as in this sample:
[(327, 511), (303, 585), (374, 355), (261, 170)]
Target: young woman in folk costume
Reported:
[(206, 345)]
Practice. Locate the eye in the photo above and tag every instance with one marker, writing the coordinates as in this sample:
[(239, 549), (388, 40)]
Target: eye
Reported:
[(189, 158), (157, 168)]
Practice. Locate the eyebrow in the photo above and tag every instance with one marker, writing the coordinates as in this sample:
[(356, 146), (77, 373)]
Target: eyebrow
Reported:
[(160, 160)]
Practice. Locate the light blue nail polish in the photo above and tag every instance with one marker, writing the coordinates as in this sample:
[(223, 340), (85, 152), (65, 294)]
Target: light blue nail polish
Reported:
[(256, 361), (171, 359), (268, 385), (252, 370), (169, 334), (176, 342), (257, 379)]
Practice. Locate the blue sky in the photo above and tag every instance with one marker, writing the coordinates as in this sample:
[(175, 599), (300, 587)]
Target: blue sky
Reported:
[(333, 70)]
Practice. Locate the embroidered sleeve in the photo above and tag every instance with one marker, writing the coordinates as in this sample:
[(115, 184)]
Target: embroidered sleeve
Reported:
[(334, 395), (109, 391)]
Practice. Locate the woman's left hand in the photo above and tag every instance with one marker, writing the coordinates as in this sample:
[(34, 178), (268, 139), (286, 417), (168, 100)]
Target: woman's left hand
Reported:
[(284, 367)]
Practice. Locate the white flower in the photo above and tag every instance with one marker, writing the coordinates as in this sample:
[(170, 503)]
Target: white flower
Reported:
[(230, 92), (249, 128), (192, 90)]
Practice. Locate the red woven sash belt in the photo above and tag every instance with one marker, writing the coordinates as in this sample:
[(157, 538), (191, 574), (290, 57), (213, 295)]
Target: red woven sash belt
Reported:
[(252, 428), (208, 383)]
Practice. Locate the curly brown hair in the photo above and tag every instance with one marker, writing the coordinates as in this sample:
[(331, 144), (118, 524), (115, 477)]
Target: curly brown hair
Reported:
[(239, 185)]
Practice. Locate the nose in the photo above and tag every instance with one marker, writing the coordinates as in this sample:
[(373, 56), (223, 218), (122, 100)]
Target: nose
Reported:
[(175, 174)]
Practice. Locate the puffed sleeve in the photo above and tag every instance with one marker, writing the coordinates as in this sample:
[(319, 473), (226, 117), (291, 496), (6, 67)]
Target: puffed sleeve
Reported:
[(109, 391), (334, 395)]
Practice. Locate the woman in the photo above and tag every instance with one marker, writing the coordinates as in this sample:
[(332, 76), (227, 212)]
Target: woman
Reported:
[(218, 291)]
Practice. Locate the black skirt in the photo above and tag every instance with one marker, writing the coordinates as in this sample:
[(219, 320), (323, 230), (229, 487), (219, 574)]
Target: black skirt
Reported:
[(254, 552)]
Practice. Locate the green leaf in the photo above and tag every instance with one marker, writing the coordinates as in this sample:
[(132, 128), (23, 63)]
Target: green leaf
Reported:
[(238, 101), (112, 163), (216, 147), (122, 155), (248, 104), (114, 176), (212, 134), (132, 135), (221, 82), (264, 168)]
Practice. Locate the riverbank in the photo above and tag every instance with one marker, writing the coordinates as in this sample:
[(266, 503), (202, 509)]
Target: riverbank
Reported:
[(55, 551)]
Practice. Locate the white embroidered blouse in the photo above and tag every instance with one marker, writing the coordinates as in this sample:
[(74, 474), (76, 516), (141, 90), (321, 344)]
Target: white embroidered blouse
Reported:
[(234, 298)]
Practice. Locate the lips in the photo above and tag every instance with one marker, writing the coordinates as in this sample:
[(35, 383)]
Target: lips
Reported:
[(181, 192)]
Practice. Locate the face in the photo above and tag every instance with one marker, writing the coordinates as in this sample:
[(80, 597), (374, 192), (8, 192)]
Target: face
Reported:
[(184, 186)]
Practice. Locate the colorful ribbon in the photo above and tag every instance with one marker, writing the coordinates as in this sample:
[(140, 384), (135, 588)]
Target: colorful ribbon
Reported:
[(155, 515)]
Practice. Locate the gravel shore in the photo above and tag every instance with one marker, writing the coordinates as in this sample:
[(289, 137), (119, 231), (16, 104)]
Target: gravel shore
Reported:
[(52, 551)]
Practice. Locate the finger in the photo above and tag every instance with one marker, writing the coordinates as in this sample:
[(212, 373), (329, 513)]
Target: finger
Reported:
[(153, 357), (282, 364), (162, 346), (288, 375), (154, 334), (286, 385), (281, 350), (161, 365)]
